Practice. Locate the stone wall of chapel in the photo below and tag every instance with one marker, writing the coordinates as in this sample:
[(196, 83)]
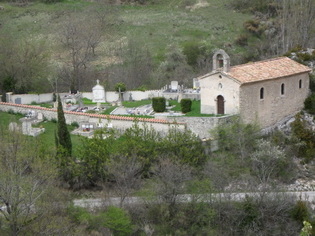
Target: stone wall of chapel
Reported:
[(212, 86), (274, 106)]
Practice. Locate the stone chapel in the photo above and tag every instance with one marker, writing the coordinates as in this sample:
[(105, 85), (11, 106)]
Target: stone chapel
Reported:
[(265, 91)]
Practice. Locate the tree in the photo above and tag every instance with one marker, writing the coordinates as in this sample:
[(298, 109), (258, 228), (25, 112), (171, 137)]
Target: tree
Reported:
[(171, 177), (183, 146), (174, 67), (79, 36), (236, 137), (29, 201), (64, 147), (268, 162), (297, 19), (23, 64), (126, 172), (63, 136), (96, 154), (135, 67)]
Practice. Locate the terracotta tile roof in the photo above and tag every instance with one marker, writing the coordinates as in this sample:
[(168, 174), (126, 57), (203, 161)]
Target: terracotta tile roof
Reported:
[(267, 69), (112, 117)]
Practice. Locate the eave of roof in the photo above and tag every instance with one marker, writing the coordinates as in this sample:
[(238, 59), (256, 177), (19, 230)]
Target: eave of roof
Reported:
[(274, 68)]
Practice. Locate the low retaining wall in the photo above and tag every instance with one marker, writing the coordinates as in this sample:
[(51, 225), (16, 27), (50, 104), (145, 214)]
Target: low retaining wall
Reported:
[(118, 122), (200, 126), (110, 96)]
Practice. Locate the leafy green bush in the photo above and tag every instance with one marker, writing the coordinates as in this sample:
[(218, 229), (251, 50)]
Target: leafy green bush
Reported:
[(79, 215), (186, 105), (120, 86), (312, 82), (309, 104), (117, 220), (192, 50), (300, 212), (159, 104), (75, 124)]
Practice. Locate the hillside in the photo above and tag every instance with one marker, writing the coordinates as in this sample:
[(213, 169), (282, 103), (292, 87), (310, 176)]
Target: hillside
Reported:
[(128, 38)]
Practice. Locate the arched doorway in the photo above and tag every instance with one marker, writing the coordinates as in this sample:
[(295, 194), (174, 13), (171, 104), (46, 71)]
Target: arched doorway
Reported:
[(220, 105)]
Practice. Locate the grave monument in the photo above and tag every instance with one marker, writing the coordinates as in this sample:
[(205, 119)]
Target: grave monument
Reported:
[(98, 94)]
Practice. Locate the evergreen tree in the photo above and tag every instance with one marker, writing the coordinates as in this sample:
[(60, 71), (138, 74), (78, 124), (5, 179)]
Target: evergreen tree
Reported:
[(63, 136)]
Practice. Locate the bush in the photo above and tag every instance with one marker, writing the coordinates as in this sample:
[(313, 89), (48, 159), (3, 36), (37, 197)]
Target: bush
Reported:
[(117, 220), (120, 86), (75, 124), (312, 82), (54, 97), (300, 212), (192, 50), (159, 104), (242, 40), (53, 120), (186, 105), (309, 104)]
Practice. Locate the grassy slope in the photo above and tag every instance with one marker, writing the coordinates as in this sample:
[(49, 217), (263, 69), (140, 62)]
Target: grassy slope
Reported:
[(153, 26)]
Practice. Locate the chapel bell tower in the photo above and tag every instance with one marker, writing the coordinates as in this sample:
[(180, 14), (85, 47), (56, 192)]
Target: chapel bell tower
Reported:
[(221, 61)]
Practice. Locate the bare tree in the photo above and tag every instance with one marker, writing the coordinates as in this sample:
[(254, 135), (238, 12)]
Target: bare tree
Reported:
[(80, 37), (26, 181), (171, 177), (126, 172), (297, 19)]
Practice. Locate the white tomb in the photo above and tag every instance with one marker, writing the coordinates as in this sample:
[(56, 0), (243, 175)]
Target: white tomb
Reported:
[(98, 93)]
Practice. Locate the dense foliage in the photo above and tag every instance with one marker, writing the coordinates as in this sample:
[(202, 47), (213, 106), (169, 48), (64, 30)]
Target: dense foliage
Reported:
[(159, 104), (186, 105)]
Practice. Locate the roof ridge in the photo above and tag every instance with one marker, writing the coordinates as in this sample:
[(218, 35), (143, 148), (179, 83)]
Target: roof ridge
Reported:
[(262, 61)]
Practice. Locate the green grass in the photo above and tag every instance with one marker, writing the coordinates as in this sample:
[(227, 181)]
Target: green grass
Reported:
[(87, 101), (47, 105), (136, 103), (109, 110), (153, 26), (6, 118), (195, 109), (48, 137)]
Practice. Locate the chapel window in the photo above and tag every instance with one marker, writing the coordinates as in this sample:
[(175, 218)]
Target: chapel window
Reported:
[(300, 83), (282, 89), (262, 93)]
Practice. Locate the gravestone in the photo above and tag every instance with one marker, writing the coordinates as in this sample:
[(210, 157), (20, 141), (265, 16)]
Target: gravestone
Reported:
[(40, 116), (174, 86), (13, 126), (18, 101), (98, 94)]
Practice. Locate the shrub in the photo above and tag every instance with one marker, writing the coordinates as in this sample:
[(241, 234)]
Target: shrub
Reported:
[(186, 105), (242, 40), (192, 50), (75, 124), (309, 104), (117, 220), (54, 97), (253, 27), (312, 82), (53, 120), (300, 212), (159, 104), (4, 97), (120, 86), (304, 56)]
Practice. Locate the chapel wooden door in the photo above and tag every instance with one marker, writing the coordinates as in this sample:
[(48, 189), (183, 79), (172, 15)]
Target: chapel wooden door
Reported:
[(220, 105)]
